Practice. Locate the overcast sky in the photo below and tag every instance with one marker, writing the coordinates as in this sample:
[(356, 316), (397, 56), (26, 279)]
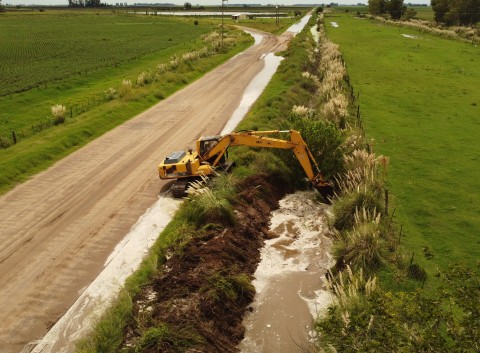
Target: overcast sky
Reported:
[(203, 2)]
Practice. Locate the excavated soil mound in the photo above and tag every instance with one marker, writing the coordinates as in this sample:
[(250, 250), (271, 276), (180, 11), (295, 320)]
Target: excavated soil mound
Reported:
[(197, 302)]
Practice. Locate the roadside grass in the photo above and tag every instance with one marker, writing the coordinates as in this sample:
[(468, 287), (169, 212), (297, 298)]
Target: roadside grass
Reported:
[(419, 101), (37, 152)]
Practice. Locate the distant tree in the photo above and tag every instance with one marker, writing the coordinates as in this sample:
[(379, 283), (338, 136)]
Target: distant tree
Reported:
[(440, 9), (395, 8), (86, 3), (465, 12), (460, 12), (376, 7), (2, 8), (188, 6)]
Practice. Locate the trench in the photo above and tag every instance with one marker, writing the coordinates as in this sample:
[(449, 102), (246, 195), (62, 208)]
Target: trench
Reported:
[(289, 280)]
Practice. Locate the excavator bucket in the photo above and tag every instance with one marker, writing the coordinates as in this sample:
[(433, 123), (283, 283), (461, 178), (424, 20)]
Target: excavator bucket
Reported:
[(327, 191)]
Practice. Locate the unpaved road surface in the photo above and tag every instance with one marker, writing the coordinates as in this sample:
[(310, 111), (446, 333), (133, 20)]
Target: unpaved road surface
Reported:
[(57, 229)]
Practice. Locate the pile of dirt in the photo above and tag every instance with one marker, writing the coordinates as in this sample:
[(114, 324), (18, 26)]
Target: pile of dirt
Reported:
[(197, 302)]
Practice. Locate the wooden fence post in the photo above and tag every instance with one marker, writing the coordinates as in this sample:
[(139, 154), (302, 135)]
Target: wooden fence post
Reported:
[(386, 202), (14, 137)]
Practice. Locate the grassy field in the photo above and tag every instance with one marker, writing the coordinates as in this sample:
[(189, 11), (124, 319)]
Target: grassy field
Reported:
[(420, 101)]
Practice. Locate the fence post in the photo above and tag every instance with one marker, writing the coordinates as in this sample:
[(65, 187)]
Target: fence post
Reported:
[(14, 137), (386, 202)]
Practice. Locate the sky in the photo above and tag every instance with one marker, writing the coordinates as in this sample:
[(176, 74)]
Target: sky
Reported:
[(205, 2)]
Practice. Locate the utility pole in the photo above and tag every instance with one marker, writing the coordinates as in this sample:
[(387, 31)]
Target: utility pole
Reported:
[(277, 20), (223, 1)]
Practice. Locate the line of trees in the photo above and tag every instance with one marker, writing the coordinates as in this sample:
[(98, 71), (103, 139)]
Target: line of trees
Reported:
[(449, 12), (86, 3), (395, 8), (456, 12)]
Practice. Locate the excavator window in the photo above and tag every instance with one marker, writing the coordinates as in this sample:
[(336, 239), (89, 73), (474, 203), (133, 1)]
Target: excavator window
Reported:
[(207, 143)]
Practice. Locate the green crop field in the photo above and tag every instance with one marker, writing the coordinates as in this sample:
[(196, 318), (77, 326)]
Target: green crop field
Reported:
[(420, 101), (38, 49)]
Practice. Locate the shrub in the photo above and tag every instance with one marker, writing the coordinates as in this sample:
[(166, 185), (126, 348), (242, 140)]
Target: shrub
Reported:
[(145, 78), (301, 111), (347, 205), (335, 109), (360, 248), (190, 56), (58, 112), (325, 141), (162, 67), (208, 205), (110, 94), (126, 88), (363, 169), (174, 62)]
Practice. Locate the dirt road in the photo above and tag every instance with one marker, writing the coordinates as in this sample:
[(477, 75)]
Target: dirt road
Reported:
[(58, 228)]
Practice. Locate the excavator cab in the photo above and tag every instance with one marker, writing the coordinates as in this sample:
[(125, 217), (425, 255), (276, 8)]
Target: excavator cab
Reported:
[(206, 143)]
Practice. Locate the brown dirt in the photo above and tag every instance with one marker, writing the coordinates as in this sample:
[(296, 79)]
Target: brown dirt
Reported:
[(58, 228), (186, 297)]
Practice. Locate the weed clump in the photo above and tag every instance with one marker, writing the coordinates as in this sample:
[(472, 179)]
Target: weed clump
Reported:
[(58, 112), (208, 205), (126, 88), (145, 78), (363, 246), (166, 337), (110, 94)]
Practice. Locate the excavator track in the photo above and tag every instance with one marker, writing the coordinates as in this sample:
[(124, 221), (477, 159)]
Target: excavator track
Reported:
[(179, 188)]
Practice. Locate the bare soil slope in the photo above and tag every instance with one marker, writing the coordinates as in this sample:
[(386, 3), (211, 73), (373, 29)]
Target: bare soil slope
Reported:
[(58, 228)]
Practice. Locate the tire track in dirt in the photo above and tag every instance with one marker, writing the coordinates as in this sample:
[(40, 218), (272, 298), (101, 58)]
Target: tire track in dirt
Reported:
[(58, 228)]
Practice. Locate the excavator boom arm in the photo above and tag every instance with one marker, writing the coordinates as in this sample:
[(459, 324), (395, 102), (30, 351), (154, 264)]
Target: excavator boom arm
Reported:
[(257, 139)]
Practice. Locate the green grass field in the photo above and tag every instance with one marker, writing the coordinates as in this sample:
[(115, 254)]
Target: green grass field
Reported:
[(420, 101)]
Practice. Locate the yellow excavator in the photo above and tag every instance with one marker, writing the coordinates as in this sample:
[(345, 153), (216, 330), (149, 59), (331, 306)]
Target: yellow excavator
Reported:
[(211, 154)]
